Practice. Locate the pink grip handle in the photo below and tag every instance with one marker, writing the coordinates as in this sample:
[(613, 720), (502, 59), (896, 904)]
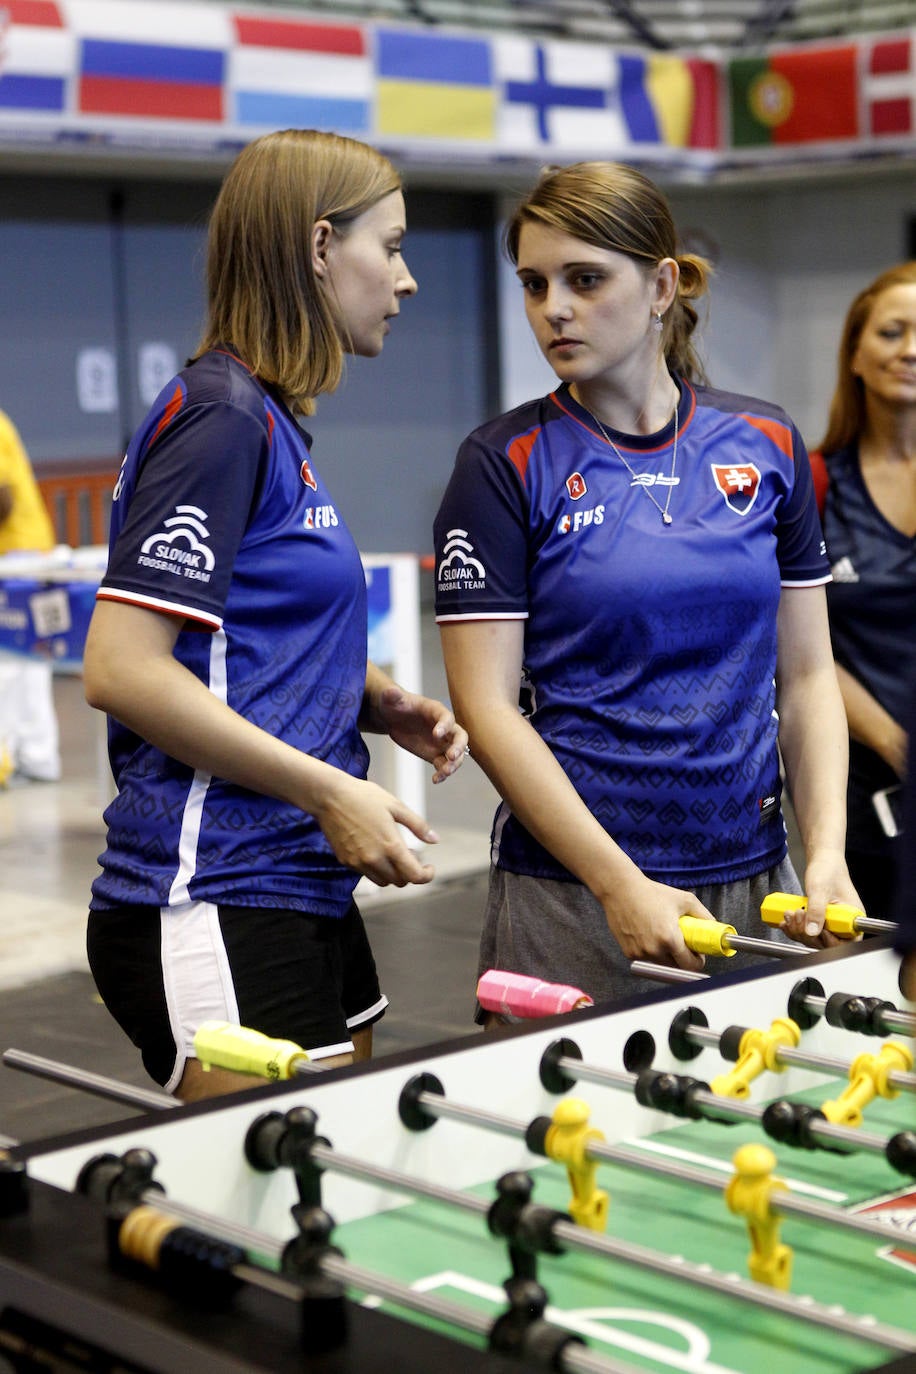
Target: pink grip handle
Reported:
[(516, 994)]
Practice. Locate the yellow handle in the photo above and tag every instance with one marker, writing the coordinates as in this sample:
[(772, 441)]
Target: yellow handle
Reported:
[(219, 1044), (706, 937), (841, 919)]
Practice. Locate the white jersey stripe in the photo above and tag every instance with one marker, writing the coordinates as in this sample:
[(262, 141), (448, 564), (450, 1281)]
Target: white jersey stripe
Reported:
[(194, 805)]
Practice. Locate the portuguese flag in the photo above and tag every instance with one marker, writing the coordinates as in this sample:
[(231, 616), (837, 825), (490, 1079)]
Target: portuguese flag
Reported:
[(802, 95)]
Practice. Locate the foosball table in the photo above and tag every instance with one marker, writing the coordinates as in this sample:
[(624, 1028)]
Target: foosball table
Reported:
[(718, 1177)]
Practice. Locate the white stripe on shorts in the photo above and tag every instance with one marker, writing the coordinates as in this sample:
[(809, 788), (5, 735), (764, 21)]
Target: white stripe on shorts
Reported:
[(196, 975)]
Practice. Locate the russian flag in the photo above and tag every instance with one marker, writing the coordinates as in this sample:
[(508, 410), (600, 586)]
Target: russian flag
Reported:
[(292, 73), (37, 56), (131, 64)]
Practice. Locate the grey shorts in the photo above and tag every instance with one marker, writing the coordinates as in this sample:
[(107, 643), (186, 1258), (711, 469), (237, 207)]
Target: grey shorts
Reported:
[(559, 932)]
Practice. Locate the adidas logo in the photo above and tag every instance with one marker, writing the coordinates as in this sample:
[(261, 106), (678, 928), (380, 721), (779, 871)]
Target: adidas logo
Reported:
[(843, 571)]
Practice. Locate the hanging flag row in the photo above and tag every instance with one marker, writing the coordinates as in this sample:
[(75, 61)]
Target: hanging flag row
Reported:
[(207, 75)]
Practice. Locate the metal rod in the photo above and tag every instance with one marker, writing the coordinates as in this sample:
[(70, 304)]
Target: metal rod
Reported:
[(717, 1108), (438, 1106), (665, 973), (774, 949), (804, 1059), (578, 1238), (892, 1018), (94, 1083)]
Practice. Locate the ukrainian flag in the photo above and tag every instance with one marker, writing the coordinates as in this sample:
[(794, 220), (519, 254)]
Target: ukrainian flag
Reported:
[(434, 86)]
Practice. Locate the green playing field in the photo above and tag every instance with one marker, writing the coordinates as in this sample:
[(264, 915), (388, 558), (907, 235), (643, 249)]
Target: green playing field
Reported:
[(663, 1323)]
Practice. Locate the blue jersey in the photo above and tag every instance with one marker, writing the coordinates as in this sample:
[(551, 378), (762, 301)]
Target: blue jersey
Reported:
[(650, 648), (221, 519), (872, 605)]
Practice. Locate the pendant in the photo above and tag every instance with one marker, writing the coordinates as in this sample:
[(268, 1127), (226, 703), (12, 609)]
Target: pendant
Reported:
[(666, 518)]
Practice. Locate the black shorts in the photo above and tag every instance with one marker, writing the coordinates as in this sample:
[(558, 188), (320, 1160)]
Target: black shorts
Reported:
[(292, 976)]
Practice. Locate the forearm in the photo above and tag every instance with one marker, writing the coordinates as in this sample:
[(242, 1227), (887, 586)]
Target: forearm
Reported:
[(814, 744), (870, 724), (524, 771), (377, 681)]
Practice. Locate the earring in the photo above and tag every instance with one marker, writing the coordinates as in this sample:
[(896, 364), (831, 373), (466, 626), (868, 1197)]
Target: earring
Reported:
[(657, 321)]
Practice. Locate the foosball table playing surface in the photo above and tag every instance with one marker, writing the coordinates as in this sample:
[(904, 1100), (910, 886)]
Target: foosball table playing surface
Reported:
[(718, 1177)]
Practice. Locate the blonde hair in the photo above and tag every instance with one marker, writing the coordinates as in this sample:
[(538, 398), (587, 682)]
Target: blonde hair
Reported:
[(263, 299), (612, 206), (846, 417)]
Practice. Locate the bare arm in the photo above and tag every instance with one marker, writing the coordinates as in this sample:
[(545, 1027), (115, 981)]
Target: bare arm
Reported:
[(870, 724), (814, 743), (421, 725), (483, 662), (130, 672)]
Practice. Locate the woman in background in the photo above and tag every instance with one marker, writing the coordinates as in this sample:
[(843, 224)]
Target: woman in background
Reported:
[(865, 467), (644, 554), (229, 645)]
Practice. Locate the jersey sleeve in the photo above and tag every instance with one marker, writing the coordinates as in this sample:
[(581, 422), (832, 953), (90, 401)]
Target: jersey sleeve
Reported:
[(481, 538), (187, 496), (800, 541)]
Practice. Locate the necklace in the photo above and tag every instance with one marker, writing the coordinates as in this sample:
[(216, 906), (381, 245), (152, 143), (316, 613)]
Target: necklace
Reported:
[(638, 481)]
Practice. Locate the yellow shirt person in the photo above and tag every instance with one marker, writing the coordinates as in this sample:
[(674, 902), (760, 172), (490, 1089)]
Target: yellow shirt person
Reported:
[(24, 519), (29, 737)]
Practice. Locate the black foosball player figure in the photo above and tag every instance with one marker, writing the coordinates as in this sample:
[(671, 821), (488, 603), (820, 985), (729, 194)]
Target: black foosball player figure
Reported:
[(906, 884)]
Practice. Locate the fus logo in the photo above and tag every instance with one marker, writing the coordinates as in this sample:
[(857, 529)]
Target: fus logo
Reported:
[(580, 520), (738, 483), (319, 518)]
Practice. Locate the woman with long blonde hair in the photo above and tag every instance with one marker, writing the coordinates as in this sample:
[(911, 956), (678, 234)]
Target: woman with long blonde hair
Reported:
[(229, 644)]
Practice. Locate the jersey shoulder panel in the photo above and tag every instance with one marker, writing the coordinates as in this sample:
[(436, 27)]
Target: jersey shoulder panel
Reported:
[(736, 403)]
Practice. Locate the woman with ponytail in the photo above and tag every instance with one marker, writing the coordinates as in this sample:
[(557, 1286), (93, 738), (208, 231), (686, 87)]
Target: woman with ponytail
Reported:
[(642, 554)]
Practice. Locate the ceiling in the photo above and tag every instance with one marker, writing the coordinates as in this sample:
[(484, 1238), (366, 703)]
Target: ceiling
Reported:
[(721, 26)]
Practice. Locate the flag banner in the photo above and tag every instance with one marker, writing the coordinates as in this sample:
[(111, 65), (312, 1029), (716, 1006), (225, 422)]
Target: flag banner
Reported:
[(36, 56), (889, 87), (142, 60), (670, 100), (794, 96), (586, 98), (431, 85), (556, 94), (298, 73), (204, 77)]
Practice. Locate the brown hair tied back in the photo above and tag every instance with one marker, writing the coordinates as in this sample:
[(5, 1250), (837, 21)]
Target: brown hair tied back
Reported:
[(614, 207)]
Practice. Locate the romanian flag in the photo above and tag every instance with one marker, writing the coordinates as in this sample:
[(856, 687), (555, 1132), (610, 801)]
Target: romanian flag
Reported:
[(670, 100), (802, 95), (37, 56), (298, 73), (434, 86), (133, 64)]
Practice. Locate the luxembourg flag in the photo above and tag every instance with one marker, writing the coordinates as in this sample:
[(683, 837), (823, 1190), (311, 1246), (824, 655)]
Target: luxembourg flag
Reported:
[(299, 73), (37, 57), (149, 60)]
